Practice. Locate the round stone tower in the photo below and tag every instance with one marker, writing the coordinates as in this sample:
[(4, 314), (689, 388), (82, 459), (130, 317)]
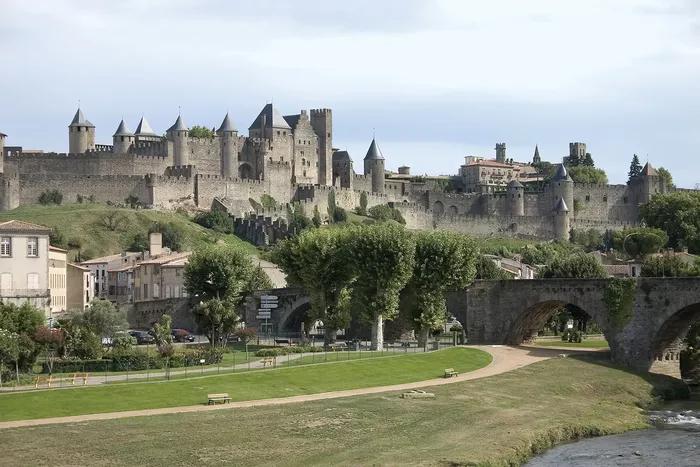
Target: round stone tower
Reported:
[(516, 198), (562, 225), (178, 135), (122, 139), (228, 141), (2, 152), (81, 134), (562, 187), (374, 166)]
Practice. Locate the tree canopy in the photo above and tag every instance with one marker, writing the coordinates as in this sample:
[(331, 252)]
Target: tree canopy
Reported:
[(640, 241), (444, 261), (383, 257), (588, 174), (666, 177), (101, 318), (320, 261), (669, 266), (575, 266), (199, 131), (678, 215)]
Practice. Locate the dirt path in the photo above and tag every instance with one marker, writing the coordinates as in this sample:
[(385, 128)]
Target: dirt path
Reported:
[(505, 359)]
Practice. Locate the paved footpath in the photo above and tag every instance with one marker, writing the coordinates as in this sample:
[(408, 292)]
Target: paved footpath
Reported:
[(505, 358)]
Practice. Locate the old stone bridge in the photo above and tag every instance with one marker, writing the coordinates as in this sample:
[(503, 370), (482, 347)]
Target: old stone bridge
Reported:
[(646, 337)]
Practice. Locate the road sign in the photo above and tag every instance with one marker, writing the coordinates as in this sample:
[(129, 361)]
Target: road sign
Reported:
[(271, 298), (267, 305), (263, 315)]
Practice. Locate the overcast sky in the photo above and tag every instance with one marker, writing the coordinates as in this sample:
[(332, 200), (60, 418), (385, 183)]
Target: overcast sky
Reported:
[(436, 80)]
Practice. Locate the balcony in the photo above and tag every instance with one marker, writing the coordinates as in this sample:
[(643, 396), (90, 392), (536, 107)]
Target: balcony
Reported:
[(24, 293)]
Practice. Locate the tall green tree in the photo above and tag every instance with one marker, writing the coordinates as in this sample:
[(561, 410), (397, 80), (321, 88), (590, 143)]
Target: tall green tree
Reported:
[(444, 261), (677, 214), (163, 334), (319, 260), (588, 160), (101, 318), (635, 168), (669, 266), (218, 319), (486, 269), (383, 256), (363, 204), (220, 271), (199, 131)]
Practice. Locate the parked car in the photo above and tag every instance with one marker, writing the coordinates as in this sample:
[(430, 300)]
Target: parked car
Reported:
[(182, 335), (142, 337)]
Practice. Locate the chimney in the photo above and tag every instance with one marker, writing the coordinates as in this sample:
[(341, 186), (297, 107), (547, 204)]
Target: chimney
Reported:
[(155, 243)]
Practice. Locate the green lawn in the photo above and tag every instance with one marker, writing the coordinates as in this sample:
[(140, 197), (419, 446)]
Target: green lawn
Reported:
[(590, 343), (501, 420), (82, 223), (307, 379)]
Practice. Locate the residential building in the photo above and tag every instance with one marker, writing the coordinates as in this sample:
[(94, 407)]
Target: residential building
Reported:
[(57, 280), (100, 266), (160, 278), (24, 264), (80, 287)]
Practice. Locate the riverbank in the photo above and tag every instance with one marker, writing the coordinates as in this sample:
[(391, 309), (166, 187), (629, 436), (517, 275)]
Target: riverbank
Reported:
[(502, 420)]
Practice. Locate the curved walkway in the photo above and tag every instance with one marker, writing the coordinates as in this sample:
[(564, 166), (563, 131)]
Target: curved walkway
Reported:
[(505, 358)]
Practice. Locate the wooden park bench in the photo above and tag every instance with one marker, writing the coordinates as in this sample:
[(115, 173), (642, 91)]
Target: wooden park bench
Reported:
[(283, 341), (338, 346), (80, 376), (268, 361), (214, 398), (450, 372)]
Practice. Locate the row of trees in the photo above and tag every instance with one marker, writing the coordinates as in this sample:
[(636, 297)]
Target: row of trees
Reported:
[(361, 271)]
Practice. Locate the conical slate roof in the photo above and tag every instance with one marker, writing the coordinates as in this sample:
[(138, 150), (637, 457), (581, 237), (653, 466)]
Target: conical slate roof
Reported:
[(2, 135), (648, 170), (561, 174), (80, 120), (179, 125), (561, 206), (226, 125), (269, 117), (515, 184), (122, 130), (144, 129), (373, 153)]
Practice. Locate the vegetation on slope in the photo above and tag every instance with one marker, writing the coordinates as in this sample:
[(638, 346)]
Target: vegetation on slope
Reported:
[(97, 229)]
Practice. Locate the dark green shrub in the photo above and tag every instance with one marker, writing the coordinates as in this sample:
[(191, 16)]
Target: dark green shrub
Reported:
[(51, 197)]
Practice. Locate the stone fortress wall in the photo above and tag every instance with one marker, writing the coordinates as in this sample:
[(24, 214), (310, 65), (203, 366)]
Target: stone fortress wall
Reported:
[(291, 159)]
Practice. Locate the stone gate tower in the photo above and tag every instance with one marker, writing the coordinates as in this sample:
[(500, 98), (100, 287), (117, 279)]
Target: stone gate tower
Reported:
[(562, 223), (374, 166), (81, 134)]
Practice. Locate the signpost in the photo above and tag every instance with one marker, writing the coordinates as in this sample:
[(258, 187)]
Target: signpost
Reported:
[(267, 304)]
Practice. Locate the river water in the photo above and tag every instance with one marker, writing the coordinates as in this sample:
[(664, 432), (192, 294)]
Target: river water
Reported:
[(674, 442)]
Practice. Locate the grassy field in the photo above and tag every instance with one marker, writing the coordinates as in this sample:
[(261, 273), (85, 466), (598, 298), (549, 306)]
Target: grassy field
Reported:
[(86, 226), (241, 386), (501, 420), (589, 343)]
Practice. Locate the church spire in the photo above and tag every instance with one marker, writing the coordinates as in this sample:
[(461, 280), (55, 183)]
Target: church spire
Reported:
[(536, 158)]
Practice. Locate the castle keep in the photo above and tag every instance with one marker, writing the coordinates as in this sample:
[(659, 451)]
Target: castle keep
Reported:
[(292, 159)]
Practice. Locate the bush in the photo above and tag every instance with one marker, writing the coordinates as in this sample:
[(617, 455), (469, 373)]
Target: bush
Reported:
[(218, 221), (280, 351), (51, 197), (383, 212)]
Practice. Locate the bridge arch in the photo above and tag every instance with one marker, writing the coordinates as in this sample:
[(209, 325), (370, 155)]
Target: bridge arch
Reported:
[(667, 343)]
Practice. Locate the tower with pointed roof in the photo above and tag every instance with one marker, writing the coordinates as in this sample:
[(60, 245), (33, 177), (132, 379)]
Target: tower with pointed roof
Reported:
[(562, 186), (178, 134), (562, 222), (122, 139), (81, 134), (144, 132), (228, 143), (374, 167), (536, 159)]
